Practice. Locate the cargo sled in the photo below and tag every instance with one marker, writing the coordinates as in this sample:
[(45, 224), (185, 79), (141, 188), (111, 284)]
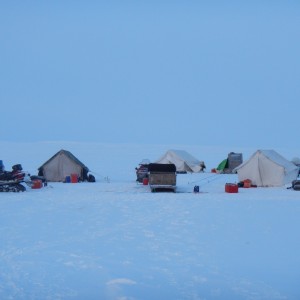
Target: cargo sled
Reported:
[(162, 177)]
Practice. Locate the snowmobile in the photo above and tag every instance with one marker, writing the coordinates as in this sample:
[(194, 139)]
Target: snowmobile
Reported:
[(142, 170), (13, 181)]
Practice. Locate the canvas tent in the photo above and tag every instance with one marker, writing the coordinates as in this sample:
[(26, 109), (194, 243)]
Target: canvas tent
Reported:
[(267, 168), (63, 164), (183, 161)]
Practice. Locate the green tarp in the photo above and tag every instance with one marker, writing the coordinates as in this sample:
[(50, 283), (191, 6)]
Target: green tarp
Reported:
[(223, 164)]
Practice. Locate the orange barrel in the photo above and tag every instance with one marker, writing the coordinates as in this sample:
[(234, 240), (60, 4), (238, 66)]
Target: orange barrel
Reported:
[(36, 184), (74, 178), (247, 183)]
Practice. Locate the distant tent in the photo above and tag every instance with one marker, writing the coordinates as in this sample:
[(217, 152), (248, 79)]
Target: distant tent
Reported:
[(230, 163), (183, 161), (63, 164), (267, 168)]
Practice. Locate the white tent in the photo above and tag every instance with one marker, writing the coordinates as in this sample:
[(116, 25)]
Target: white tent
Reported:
[(267, 168), (62, 164), (183, 161)]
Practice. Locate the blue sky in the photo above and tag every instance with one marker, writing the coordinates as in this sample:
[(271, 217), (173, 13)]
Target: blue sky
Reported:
[(171, 72)]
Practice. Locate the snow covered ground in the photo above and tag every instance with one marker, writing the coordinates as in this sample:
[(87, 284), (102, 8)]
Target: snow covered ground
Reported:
[(114, 239)]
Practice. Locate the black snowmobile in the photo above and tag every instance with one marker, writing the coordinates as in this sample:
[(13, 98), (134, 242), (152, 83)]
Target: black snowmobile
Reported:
[(12, 181)]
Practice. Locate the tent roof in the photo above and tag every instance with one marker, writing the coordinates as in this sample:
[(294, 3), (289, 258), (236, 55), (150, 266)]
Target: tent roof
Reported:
[(273, 156), (183, 155), (183, 160), (68, 154)]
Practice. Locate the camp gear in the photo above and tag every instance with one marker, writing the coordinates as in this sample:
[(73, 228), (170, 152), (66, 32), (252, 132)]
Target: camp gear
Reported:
[(196, 189), (231, 188), (296, 185), (247, 183)]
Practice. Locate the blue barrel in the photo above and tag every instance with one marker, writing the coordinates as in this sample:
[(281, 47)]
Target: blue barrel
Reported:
[(196, 189)]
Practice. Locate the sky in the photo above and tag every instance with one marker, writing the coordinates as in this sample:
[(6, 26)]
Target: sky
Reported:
[(184, 72)]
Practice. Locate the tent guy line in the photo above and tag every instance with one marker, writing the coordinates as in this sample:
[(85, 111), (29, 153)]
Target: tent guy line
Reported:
[(214, 176)]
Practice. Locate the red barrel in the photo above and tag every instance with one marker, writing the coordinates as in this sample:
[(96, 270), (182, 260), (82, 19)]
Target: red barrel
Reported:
[(74, 178), (231, 188), (145, 181), (36, 184)]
